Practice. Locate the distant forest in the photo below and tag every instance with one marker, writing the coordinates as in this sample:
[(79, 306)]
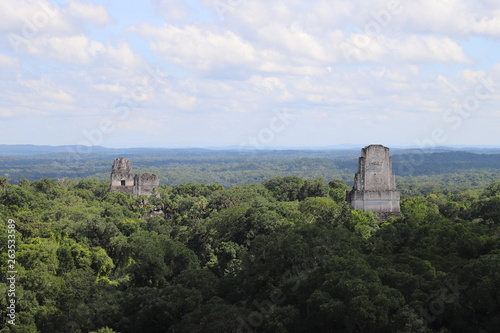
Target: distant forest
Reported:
[(417, 172)]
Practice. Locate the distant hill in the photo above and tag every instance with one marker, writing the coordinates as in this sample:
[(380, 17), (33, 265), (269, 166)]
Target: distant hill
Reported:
[(233, 167), (35, 150), (405, 164), (347, 150)]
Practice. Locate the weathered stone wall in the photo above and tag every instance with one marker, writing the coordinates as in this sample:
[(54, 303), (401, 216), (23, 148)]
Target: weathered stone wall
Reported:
[(145, 184), (124, 181), (375, 183), (121, 165), (122, 178)]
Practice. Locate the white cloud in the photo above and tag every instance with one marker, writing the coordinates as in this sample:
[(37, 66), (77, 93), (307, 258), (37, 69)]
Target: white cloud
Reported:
[(72, 49), (197, 47), (122, 55), (80, 50), (12, 12), (272, 86), (488, 25), (179, 101), (8, 61), (430, 49), (28, 15), (46, 89), (451, 17), (95, 48), (172, 10), (28, 18), (471, 76), (88, 13), (227, 76), (110, 88), (265, 37), (293, 40)]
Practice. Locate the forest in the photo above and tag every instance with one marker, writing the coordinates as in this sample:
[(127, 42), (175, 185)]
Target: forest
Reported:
[(285, 254), (423, 171)]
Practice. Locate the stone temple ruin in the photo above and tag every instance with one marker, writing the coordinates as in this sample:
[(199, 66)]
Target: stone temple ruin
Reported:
[(124, 181), (375, 185)]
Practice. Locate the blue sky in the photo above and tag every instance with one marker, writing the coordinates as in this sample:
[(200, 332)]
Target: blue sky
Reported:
[(250, 73)]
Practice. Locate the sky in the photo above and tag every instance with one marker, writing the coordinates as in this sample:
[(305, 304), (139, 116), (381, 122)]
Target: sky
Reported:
[(250, 73)]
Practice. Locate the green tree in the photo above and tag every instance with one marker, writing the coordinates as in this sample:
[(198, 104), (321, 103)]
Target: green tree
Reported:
[(284, 188), (338, 189), (363, 223), (419, 211), (489, 209), (313, 188), (157, 259), (321, 209), (351, 298), (492, 190)]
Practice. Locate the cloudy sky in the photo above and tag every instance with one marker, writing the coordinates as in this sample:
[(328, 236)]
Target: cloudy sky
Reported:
[(256, 73)]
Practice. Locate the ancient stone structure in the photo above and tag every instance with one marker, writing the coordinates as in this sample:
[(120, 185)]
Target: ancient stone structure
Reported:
[(375, 185), (124, 181)]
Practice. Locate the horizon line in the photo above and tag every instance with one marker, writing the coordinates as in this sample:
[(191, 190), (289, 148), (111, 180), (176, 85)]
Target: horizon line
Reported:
[(343, 146)]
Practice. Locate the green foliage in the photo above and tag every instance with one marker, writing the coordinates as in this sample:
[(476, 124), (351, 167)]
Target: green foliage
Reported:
[(418, 211), (104, 330), (492, 190), (313, 188), (157, 259), (338, 189), (489, 209), (285, 188), (363, 223), (286, 256), (316, 209)]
